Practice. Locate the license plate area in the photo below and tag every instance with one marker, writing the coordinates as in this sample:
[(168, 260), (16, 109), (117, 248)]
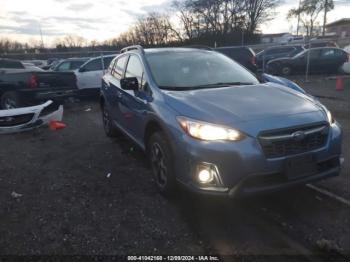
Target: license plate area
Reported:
[(300, 166)]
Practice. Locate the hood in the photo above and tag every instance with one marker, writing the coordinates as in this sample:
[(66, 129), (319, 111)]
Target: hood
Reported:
[(230, 105)]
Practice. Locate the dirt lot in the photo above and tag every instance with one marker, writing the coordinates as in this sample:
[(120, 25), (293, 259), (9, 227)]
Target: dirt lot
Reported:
[(68, 204)]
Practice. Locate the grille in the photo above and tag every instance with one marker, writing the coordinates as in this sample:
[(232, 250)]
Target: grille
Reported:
[(293, 141), (9, 121)]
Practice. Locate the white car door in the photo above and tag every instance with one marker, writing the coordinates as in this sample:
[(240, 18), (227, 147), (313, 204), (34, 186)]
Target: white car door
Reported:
[(89, 75)]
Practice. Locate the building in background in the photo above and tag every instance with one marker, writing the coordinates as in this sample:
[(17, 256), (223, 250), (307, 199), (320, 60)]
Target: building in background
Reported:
[(339, 28)]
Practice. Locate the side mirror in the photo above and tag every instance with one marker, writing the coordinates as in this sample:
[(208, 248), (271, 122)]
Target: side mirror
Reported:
[(82, 69), (129, 83)]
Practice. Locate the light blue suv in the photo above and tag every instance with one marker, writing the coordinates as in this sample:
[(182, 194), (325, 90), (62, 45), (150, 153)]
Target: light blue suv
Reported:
[(207, 123)]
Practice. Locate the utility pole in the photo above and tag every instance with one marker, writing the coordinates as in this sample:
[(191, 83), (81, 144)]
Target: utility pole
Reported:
[(325, 17), (41, 36), (298, 18)]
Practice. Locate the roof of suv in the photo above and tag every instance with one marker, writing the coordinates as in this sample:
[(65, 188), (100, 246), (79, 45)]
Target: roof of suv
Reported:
[(174, 49)]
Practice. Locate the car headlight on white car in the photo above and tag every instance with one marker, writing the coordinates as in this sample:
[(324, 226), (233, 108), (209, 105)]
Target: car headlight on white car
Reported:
[(208, 132)]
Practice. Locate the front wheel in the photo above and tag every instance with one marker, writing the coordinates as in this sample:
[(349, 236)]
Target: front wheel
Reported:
[(10, 100), (160, 155), (110, 129)]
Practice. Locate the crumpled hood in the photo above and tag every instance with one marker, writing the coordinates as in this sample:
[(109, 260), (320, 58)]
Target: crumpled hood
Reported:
[(240, 103)]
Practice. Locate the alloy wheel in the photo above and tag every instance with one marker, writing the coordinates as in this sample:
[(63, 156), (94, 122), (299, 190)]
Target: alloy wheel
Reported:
[(158, 165)]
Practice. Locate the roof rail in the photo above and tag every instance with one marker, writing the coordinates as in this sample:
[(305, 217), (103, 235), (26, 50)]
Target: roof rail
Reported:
[(204, 47), (133, 47)]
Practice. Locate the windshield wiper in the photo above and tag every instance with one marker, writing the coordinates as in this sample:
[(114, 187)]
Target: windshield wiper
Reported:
[(213, 85), (221, 84)]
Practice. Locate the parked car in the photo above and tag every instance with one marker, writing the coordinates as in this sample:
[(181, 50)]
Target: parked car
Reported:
[(207, 123), (277, 52), (10, 64), (28, 118), (90, 73), (38, 63), (281, 81), (21, 87), (243, 55), (69, 64), (320, 43), (346, 67), (32, 67), (322, 60), (51, 63)]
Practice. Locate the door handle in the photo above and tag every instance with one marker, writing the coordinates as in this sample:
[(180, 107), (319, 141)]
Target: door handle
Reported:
[(119, 94)]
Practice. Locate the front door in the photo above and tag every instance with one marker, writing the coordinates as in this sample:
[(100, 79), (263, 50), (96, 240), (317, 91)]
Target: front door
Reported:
[(90, 74), (134, 104)]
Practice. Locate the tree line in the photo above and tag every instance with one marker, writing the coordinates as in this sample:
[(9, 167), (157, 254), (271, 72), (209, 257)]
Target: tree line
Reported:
[(198, 22)]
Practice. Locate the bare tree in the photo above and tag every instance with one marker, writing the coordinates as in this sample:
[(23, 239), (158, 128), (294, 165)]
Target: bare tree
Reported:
[(309, 11), (258, 12)]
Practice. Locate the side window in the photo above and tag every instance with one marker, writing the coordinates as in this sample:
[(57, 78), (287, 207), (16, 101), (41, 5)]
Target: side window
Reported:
[(75, 64), (64, 66), (119, 67), (314, 54), (94, 65), (328, 53), (135, 69), (287, 49)]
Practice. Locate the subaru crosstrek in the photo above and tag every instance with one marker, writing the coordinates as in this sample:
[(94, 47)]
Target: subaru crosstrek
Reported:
[(207, 123)]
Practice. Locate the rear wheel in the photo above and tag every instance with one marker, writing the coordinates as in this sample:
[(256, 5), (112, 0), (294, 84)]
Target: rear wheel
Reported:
[(110, 129), (10, 100), (286, 70), (160, 155)]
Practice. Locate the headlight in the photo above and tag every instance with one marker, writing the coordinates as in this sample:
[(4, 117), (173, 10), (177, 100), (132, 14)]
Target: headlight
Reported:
[(330, 117), (209, 132)]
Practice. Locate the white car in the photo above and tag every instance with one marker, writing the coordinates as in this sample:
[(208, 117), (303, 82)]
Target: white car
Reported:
[(89, 75), (346, 66)]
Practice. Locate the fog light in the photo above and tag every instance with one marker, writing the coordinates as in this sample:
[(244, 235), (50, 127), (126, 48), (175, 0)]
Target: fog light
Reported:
[(205, 176)]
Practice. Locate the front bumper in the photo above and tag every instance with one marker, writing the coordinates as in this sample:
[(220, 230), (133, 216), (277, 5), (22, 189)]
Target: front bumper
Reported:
[(27, 118), (245, 170)]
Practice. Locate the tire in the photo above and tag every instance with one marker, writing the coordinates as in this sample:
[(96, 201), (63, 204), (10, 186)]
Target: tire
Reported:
[(110, 129), (10, 100), (161, 160), (286, 70)]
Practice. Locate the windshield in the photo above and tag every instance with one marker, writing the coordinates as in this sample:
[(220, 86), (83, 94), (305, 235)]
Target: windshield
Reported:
[(197, 69)]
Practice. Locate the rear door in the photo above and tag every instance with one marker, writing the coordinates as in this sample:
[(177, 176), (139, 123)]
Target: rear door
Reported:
[(112, 89), (329, 60)]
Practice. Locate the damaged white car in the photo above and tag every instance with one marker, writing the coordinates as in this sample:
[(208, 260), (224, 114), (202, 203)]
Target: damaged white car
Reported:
[(27, 118)]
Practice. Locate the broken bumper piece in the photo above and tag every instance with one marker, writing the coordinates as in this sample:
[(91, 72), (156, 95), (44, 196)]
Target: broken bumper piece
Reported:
[(27, 118)]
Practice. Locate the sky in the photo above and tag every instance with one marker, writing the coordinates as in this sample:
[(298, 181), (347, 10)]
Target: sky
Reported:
[(104, 19)]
